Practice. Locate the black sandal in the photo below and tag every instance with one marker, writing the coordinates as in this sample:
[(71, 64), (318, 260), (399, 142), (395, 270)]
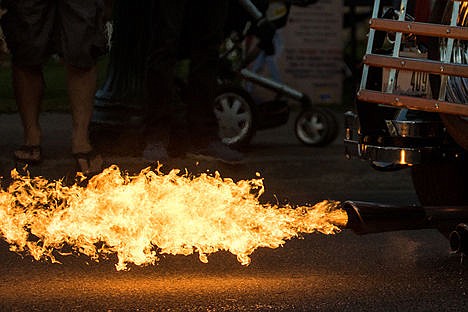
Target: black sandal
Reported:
[(89, 163), (28, 154)]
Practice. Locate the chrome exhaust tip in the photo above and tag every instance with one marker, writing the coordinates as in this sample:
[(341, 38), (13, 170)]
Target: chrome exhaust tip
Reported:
[(367, 218), (458, 239)]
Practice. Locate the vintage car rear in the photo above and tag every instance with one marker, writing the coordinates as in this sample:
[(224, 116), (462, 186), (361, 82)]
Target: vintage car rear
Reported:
[(411, 108)]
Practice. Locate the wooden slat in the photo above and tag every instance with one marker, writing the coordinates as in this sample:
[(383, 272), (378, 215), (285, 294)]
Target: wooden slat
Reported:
[(415, 103), (418, 65), (418, 28)]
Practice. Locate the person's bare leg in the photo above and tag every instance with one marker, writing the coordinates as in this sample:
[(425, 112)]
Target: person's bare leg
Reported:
[(28, 85), (81, 89)]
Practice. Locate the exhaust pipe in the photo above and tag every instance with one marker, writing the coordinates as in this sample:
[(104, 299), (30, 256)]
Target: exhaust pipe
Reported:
[(366, 218), (459, 239)]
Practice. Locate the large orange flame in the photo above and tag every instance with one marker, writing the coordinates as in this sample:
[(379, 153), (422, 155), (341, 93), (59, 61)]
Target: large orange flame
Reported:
[(143, 216)]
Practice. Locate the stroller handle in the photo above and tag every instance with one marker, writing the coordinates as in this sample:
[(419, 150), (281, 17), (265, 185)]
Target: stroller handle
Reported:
[(253, 11)]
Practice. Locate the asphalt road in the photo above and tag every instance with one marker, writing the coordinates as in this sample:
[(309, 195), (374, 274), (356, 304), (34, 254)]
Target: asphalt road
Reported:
[(399, 271)]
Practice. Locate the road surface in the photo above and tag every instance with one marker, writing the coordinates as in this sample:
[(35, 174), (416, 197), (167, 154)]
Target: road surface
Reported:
[(400, 271)]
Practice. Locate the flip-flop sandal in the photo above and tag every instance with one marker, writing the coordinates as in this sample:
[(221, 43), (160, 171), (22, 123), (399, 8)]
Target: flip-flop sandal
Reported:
[(89, 163), (28, 154)]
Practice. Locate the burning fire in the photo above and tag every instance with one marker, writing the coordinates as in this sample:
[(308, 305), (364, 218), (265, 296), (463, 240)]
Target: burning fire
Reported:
[(141, 217)]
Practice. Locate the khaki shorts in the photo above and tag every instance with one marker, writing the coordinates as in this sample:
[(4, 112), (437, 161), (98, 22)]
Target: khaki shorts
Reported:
[(36, 29)]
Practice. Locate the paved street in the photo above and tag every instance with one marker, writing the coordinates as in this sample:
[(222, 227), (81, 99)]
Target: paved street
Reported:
[(400, 271)]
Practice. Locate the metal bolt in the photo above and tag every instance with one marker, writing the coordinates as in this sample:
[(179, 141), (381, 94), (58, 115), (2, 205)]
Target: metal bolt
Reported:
[(448, 30), (403, 63), (441, 68), (436, 105)]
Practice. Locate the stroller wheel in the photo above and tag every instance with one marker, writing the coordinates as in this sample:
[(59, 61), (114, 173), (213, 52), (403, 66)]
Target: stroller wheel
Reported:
[(334, 126), (234, 110), (316, 127)]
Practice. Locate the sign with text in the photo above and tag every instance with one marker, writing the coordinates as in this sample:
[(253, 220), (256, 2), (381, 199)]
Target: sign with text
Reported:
[(309, 52)]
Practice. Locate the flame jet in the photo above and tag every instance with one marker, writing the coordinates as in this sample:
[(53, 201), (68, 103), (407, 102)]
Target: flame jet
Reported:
[(140, 217)]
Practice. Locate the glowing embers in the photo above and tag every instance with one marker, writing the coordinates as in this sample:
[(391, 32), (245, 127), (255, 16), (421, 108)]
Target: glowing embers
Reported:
[(140, 217)]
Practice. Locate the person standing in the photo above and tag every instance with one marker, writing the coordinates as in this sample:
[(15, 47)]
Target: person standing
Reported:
[(193, 30), (73, 29)]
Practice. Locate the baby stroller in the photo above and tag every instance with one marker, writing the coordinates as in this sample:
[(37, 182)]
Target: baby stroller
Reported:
[(239, 115)]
